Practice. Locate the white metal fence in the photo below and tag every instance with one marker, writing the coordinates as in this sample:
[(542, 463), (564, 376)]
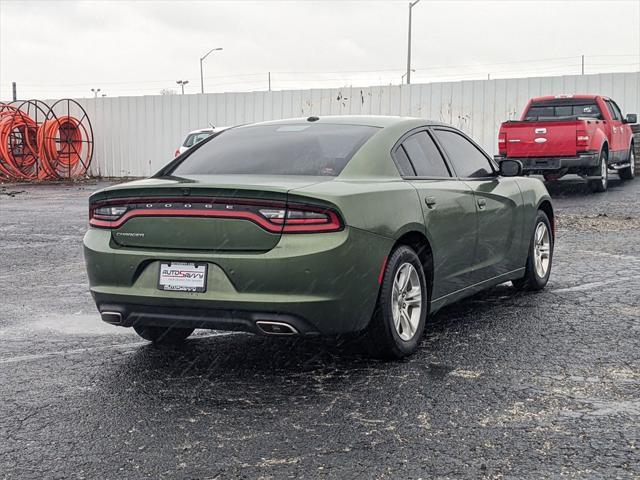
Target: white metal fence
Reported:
[(135, 136)]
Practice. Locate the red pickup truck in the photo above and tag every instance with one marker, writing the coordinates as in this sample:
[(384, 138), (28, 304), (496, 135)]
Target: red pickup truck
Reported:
[(582, 134)]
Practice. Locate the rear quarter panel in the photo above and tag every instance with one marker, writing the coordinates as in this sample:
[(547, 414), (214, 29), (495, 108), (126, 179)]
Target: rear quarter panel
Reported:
[(534, 193), (386, 207)]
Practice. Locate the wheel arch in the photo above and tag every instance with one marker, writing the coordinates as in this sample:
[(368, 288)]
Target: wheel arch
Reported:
[(546, 206), (418, 241)]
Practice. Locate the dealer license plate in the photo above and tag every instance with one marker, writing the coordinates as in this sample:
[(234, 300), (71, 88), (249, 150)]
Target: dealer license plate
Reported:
[(183, 277)]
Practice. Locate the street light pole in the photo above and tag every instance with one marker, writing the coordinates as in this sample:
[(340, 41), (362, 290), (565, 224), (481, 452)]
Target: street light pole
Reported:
[(95, 92), (182, 83), (411, 5), (404, 75), (201, 74)]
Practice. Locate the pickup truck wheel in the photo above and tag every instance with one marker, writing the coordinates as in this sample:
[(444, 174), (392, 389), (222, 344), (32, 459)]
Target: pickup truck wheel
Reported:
[(163, 335), (602, 170), (629, 172), (398, 321), (538, 266)]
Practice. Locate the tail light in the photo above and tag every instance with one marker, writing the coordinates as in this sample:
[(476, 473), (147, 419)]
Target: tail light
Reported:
[(275, 217), (502, 144), (177, 152), (582, 138)]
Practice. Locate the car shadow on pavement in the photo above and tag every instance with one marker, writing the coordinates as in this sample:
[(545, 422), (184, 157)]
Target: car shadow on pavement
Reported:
[(246, 357), (577, 187)]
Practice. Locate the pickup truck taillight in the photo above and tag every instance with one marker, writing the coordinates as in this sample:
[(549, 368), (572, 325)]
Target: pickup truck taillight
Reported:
[(502, 143), (582, 138)]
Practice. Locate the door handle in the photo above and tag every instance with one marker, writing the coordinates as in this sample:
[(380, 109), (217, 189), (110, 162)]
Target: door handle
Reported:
[(430, 201), (482, 203)]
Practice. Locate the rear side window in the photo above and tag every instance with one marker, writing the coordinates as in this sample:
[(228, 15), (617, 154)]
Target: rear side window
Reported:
[(563, 108), (466, 158), (402, 162), (194, 138), (295, 149), (425, 156)]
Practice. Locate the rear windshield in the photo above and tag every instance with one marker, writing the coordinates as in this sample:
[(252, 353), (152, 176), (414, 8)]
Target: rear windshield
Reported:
[(563, 108), (296, 149), (194, 138)]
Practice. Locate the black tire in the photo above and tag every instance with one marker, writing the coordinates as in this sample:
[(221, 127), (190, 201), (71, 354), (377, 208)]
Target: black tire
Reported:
[(531, 279), (601, 184), (629, 172), (381, 338), (163, 335)]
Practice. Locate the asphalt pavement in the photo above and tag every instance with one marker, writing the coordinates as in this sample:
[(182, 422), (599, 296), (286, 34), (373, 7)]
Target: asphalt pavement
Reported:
[(504, 385)]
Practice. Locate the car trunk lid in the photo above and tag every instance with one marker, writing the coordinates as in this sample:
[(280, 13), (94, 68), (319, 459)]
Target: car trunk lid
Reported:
[(221, 213)]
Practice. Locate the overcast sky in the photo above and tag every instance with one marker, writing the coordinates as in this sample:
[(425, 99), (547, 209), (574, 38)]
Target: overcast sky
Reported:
[(64, 48)]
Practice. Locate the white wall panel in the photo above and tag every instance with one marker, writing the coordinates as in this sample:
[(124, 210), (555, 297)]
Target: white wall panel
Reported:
[(135, 136)]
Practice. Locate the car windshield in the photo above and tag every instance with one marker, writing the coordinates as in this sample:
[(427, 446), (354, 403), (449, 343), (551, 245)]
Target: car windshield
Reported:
[(194, 138), (292, 149), (563, 108)]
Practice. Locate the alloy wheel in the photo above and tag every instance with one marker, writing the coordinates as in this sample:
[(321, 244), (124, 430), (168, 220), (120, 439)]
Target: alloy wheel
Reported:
[(406, 301), (604, 172), (542, 250)]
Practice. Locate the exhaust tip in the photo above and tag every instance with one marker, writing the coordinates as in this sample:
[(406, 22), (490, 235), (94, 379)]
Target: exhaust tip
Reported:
[(276, 328), (114, 318)]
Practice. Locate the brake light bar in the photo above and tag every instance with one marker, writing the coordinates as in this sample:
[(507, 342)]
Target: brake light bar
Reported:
[(275, 217)]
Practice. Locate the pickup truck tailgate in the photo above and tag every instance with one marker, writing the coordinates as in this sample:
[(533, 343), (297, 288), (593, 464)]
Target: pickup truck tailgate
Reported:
[(541, 139)]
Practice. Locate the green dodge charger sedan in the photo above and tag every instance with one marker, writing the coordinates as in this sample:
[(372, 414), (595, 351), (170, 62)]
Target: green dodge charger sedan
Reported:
[(316, 226)]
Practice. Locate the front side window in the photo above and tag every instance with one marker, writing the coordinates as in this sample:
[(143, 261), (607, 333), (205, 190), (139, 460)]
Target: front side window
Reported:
[(466, 158), (617, 114), (294, 149), (425, 156)]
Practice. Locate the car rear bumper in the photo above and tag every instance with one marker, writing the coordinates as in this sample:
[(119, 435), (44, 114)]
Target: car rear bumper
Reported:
[(551, 164), (265, 323), (317, 283)]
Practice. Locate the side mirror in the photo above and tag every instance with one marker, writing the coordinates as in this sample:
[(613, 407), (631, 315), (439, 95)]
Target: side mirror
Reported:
[(631, 118), (511, 168)]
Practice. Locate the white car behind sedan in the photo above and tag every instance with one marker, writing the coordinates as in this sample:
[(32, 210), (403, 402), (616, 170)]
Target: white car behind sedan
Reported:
[(197, 136)]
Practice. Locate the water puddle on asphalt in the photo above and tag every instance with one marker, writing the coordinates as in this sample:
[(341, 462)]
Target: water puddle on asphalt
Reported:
[(84, 324)]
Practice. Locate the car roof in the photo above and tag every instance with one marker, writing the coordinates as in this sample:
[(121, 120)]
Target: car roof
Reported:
[(208, 130), (201, 130), (380, 121), (565, 96)]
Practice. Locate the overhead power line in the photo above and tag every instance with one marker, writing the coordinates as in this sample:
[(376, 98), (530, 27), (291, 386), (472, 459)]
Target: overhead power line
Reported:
[(426, 68)]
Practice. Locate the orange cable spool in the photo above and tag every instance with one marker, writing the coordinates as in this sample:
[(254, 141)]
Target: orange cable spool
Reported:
[(58, 147)]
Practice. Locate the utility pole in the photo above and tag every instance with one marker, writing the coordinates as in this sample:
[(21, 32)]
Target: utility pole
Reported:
[(15, 91), (582, 64), (269, 81), (201, 74), (182, 83), (411, 5), (95, 92)]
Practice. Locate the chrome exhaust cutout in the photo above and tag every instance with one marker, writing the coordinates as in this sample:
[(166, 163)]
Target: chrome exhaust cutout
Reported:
[(276, 328), (114, 318)]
